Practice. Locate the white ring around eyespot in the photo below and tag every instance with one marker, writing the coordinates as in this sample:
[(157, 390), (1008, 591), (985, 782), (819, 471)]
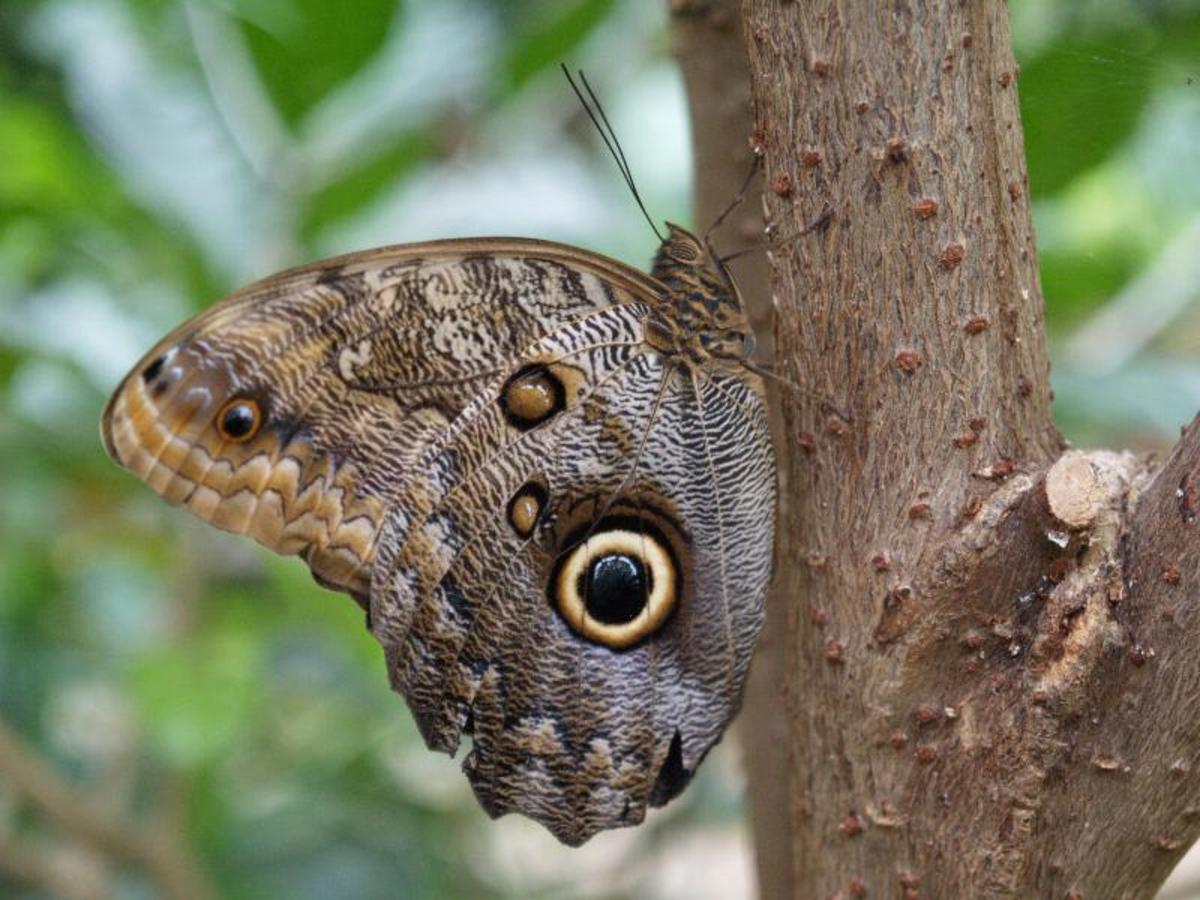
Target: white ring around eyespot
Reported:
[(663, 593)]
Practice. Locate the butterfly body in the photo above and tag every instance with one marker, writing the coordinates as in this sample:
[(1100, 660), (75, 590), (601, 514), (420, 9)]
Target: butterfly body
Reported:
[(545, 475)]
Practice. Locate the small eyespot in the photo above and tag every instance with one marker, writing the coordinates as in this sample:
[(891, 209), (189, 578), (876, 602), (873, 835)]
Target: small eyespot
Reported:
[(525, 509), (532, 396), (618, 585), (156, 376), (239, 420), (152, 371)]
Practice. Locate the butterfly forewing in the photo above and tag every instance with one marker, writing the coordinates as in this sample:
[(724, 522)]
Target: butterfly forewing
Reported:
[(356, 364)]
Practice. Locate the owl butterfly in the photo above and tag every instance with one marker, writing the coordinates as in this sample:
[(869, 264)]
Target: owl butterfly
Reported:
[(545, 475)]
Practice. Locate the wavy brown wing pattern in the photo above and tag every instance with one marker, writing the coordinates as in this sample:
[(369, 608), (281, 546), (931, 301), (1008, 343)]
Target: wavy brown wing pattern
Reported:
[(353, 365), (545, 474)]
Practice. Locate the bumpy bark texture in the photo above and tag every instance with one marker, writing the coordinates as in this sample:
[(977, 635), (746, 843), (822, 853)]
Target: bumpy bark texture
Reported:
[(981, 678)]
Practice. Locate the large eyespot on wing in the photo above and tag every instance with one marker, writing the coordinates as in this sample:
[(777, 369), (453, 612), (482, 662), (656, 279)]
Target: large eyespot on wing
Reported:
[(617, 582)]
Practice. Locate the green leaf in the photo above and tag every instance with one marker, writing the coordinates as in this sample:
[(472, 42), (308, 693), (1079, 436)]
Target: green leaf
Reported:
[(1077, 107), (198, 698), (348, 195), (550, 39), (1076, 284), (46, 166), (304, 49)]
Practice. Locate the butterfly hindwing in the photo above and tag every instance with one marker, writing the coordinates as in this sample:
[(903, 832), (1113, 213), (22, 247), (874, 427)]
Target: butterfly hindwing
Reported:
[(578, 734)]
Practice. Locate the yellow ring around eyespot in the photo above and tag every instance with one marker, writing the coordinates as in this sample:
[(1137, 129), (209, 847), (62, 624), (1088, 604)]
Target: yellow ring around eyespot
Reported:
[(663, 593)]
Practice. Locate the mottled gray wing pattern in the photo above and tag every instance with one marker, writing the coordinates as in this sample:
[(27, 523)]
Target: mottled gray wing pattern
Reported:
[(575, 734)]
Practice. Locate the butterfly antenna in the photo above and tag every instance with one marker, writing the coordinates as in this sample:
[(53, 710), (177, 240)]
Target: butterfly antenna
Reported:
[(818, 224), (609, 135), (737, 200)]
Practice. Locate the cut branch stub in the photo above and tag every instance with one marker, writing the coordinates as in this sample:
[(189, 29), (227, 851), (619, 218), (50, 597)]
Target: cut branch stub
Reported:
[(1079, 485)]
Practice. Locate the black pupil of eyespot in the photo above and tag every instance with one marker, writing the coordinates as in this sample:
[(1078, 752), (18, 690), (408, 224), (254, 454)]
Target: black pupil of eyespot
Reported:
[(238, 420), (151, 371), (615, 588)]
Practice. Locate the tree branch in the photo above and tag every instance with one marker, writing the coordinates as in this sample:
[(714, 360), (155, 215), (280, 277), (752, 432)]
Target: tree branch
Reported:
[(1140, 761), (35, 866), (154, 850)]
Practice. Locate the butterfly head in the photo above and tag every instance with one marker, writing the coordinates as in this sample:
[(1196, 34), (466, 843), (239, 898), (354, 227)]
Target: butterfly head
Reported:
[(702, 317), (210, 426)]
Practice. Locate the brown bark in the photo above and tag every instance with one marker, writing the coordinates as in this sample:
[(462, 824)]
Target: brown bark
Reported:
[(978, 681)]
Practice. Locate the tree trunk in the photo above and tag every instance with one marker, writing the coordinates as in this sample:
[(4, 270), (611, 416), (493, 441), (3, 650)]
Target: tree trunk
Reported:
[(977, 677)]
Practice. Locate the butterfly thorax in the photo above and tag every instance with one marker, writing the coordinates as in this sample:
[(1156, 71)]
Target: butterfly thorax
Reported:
[(700, 315)]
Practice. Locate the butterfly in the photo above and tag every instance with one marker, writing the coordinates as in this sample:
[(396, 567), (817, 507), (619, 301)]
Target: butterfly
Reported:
[(546, 476)]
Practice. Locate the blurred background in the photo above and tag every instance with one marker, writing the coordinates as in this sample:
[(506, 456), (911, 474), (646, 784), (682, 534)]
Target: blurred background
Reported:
[(183, 702)]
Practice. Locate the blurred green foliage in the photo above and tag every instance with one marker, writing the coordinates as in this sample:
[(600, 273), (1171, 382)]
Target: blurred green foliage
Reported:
[(154, 155), (304, 49)]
